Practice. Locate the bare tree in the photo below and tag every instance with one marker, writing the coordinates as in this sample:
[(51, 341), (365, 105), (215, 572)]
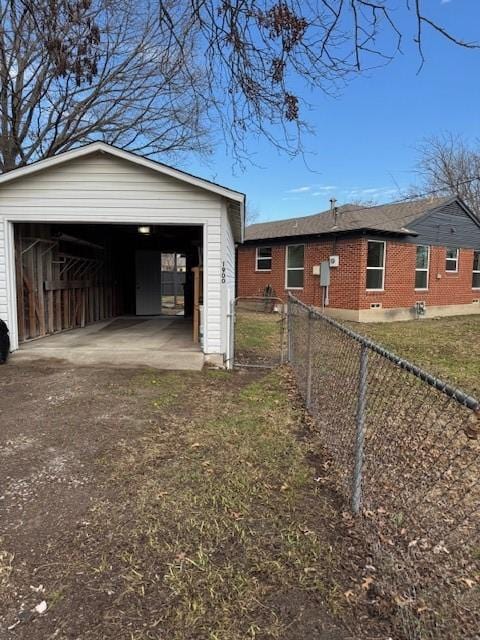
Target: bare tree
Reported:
[(358, 202), (448, 164), (83, 70), (258, 53), (252, 213), (155, 75)]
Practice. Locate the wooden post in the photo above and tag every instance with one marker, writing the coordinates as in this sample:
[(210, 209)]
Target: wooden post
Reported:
[(42, 329), (197, 301), (50, 294), (28, 279), (196, 305)]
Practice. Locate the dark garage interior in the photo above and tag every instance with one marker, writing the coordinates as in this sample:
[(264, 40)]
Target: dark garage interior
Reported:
[(72, 275)]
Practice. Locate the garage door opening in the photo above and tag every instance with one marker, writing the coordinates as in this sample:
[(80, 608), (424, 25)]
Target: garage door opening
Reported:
[(74, 276)]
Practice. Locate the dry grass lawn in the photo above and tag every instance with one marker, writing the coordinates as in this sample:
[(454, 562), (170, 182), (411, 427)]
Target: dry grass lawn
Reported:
[(259, 336), (150, 505), (447, 347)]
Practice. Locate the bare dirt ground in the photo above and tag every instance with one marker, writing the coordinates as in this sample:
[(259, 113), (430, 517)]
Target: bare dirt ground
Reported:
[(140, 504)]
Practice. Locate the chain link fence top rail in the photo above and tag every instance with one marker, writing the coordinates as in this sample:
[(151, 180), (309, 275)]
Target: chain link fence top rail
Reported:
[(406, 454)]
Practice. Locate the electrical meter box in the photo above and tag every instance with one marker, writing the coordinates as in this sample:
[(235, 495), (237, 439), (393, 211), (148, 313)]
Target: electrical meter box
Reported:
[(325, 274)]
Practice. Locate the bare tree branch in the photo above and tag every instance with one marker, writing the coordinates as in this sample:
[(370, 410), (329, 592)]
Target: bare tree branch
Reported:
[(256, 54), (165, 76), (452, 166), (125, 84)]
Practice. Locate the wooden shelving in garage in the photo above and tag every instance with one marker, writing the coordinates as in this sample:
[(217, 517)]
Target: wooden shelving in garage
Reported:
[(59, 290)]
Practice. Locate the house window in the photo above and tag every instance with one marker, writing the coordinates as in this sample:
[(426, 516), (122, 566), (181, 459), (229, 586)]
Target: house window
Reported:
[(421, 267), (451, 262), (375, 265), (264, 259), (476, 270), (294, 266)]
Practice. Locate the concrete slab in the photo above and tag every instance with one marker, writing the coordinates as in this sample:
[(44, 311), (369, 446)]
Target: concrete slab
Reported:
[(155, 342)]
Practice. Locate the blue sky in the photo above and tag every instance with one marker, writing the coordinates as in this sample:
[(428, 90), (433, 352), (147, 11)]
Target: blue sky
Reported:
[(364, 141)]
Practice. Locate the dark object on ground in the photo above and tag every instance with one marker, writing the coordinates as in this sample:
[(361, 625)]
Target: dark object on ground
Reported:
[(4, 342)]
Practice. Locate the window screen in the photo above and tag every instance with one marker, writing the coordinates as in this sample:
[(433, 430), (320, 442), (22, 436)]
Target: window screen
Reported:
[(421, 268), (295, 266), (476, 270), (264, 259), (451, 262), (375, 264)]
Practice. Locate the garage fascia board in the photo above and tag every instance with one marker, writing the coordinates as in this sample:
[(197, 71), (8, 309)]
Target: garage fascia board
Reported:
[(128, 156)]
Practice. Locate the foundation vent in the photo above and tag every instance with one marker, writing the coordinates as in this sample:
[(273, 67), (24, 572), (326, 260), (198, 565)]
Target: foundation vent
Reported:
[(375, 305)]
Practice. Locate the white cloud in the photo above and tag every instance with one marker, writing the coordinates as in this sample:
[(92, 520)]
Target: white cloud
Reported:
[(299, 190), (321, 191), (369, 193)]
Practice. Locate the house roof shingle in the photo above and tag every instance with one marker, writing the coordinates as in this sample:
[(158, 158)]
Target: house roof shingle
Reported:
[(386, 218)]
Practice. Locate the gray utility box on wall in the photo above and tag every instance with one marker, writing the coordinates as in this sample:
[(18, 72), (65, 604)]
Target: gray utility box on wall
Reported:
[(325, 274)]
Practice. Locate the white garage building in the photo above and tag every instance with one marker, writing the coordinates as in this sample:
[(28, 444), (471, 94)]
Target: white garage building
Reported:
[(83, 240)]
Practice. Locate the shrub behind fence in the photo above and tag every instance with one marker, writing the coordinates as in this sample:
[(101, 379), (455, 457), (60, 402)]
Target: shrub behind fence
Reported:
[(405, 450)]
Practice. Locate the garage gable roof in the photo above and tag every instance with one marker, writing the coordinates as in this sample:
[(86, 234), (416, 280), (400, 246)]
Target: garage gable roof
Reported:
[(95, 147)]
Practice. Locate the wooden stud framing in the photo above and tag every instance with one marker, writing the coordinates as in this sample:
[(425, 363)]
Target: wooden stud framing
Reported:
[(57, 291)]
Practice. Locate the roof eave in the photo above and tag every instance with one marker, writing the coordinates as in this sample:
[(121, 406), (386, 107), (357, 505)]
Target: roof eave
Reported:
[(336, 232), (102, 147)]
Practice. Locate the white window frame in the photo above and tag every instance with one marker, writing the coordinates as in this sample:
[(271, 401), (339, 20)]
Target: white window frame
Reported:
[(423, 269), (475, 270), (382, 268), (287, 268), (257, 258), (456, 260)]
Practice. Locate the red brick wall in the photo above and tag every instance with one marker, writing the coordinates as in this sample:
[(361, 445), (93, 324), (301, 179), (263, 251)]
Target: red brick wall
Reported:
[(348, 281), (449, 288)]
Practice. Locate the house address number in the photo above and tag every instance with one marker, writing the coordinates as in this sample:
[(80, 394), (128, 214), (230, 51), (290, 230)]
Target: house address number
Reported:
[(223, 273)]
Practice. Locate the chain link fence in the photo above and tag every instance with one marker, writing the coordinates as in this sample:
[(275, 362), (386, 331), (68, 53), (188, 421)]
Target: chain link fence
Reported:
[(260, 329), (406, 454)]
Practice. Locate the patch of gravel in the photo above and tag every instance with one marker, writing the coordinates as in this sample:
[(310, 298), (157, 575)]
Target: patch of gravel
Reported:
[(20, 443)]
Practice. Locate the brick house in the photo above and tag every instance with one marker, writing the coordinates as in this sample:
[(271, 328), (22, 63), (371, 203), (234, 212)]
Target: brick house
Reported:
[(389, 262)]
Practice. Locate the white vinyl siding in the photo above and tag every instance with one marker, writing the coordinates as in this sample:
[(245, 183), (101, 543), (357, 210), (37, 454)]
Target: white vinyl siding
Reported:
[(375, 280), (227, 282), (451, 260), (476, 270), (100, 188), (3, 274), (422, 267)]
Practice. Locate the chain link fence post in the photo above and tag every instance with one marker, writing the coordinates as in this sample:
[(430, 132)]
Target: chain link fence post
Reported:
[(289, 330), (231, 335), (308, 391), (360, 430), (405, 451)]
